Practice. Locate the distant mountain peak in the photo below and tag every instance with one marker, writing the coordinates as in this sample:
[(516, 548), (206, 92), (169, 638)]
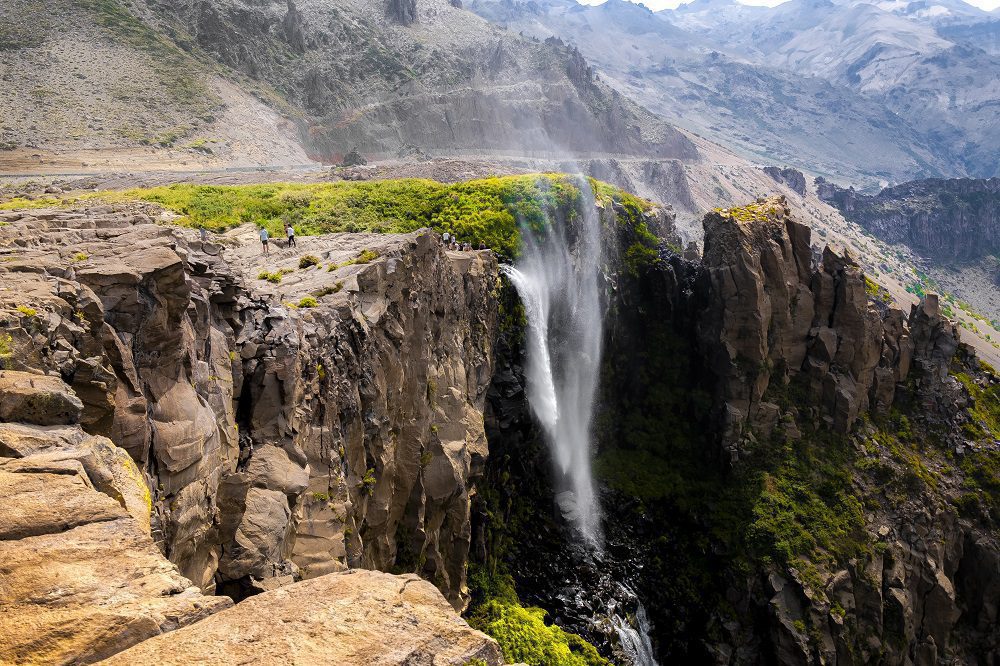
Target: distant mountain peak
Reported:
[(699, 5)]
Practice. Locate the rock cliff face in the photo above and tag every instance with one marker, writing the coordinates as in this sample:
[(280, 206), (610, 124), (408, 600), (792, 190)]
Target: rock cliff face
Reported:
[(776, 316), (789, 467), (402, 11), (278, 441), (82, 579), (182, 416), (789, 325), (948, 220), (793, 178)]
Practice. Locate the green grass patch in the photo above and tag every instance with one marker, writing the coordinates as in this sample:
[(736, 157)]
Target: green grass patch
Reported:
[(366, 257), (488, 211), (984, 411), (20, 203), (329, 289), (368, 481), (805, 504), (521, 631), (758, 211)]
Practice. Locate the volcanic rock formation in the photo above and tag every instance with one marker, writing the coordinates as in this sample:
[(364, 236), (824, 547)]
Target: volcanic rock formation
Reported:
[(947, 220), (278, 441), (778, 317)]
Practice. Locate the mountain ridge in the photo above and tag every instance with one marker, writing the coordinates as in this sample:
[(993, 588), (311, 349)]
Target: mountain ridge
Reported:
[(338, 76), (783, 85)]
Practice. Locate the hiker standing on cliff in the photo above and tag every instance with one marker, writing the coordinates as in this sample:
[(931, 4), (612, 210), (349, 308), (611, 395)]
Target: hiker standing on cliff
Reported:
[(290, 232), (263, 241)]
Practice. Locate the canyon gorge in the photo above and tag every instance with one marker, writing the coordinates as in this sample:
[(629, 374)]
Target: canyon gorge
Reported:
[(220, 427), (484, 332)]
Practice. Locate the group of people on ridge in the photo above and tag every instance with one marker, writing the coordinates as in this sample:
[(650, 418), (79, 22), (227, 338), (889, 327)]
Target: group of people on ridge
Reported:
[(451, 242), (265, 236)]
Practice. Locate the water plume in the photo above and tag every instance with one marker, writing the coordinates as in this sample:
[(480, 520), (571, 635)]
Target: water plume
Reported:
[(558, 279)]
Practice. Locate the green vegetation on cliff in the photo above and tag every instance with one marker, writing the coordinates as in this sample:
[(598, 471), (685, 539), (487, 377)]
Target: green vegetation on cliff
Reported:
[(981, 466), (521, 631), (791, 500), (489, 210)]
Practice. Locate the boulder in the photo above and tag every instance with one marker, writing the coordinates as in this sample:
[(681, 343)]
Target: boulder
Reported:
[(38, 399), (358, 618)]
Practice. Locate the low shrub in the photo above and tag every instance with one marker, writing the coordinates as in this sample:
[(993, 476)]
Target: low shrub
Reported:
[(270, 277), (308, 260)]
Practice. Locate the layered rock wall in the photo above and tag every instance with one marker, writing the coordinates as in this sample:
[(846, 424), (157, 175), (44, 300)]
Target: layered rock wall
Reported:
[(278, 441), (777, 318), (946, 219)]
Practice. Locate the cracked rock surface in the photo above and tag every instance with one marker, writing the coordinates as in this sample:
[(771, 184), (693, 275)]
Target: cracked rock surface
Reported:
[(328, 418)]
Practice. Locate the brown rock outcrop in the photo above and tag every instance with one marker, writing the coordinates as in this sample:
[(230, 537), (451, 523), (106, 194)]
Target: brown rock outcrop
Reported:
[(778, 319), (358, 618), (38, 399), (277, 441), (80, 577)]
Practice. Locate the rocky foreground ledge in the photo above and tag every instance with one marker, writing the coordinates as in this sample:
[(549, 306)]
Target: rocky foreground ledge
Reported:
[(179, 418), (356, 617), (80, 577)]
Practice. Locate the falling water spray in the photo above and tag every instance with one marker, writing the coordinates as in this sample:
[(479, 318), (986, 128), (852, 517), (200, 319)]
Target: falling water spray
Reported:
[(558, 279)]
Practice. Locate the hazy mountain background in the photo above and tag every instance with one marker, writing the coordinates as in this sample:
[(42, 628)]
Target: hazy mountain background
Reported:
[(873, 93), (100, 74)]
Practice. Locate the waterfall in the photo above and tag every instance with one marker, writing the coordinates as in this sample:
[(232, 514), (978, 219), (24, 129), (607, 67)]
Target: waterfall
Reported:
[(635, 640), (558, 279), (559, 287)]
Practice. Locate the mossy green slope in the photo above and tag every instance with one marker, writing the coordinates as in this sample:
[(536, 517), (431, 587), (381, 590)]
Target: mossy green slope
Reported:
[(489, 210), (521, 631)]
